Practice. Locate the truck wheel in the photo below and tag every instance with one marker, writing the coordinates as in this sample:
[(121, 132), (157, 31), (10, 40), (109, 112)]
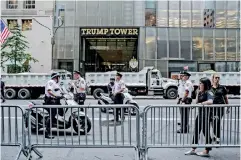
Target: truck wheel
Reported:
[(35, 95), (23, 93), (165, 96), (97, 92), (10, 93), (172, 93)]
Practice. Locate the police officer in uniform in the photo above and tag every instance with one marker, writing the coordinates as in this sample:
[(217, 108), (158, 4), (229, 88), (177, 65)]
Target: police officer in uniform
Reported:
[(52, 97), (185, 89), (78, 87), (118, 88)]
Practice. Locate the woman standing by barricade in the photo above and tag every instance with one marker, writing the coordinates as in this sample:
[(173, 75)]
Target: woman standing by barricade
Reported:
[(202, 121), (220, 97)]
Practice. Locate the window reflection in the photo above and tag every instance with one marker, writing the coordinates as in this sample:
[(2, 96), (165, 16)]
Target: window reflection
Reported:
[(185, 13), (12, 23), (173, 13), (208, 44), (220, 19), (185, 43), (231, 44), (232, 67), (26, 24), (197, 11), (162, 43), (162, 13), (150, 43), (150, 15), (220, 67), (220, 44)]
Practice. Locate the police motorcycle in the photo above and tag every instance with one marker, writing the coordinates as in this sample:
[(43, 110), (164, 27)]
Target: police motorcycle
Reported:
[(73, 117), (106, 99)]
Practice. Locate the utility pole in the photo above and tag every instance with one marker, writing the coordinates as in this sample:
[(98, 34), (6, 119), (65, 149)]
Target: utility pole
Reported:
[(52, 33)]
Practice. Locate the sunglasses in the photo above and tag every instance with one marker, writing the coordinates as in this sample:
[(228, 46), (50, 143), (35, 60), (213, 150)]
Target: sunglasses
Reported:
[(217, 77)]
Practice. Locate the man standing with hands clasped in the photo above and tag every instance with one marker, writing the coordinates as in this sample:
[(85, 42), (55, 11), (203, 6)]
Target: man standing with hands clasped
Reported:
[(118, 88), (185, 90)]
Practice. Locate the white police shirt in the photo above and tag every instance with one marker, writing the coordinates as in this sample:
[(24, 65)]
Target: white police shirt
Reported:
[(118, 86), (185, 85), (80, 85), (54, 87)]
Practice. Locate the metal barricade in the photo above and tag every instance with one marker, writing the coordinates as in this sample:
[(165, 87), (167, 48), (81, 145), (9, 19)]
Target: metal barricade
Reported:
[(219, 124), (95, 130), (12, 128)]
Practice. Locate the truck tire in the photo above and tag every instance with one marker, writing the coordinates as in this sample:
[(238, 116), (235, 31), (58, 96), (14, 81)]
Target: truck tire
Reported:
[(23, 93), (172, 93), (35, 95), (10, 93), (96, 92)]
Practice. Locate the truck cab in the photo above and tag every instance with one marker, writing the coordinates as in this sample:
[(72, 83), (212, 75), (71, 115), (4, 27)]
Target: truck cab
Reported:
[(154, 82)]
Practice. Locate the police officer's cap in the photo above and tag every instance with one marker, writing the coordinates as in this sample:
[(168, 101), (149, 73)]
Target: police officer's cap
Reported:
[(118, 74), (185, 73), (54, 75), (76, 72)]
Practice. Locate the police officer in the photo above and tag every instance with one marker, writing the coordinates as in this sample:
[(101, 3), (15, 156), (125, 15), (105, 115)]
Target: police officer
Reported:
[(52, 97), (80, 88), (118, 88), (185, 89)]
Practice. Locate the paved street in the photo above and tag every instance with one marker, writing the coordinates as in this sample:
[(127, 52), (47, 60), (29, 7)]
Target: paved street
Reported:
[(164, 121)]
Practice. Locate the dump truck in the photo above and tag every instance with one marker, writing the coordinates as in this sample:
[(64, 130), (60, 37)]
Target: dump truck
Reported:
[(231, 80), (148, 81), (29, 85)]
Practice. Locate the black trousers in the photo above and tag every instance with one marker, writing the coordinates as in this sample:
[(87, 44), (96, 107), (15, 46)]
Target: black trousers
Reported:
[(184, 114), (52, 112), (202, 123), (118, 100), (216, 116)]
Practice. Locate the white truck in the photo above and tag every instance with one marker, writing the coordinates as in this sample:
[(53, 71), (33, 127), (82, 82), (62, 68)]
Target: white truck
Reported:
[(231, 80), (146, 82), (29, 85)]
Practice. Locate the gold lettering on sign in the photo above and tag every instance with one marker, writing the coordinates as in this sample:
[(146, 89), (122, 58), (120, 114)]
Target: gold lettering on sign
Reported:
[(93, 31), (112, 31), (106, 31), (88, 31), (123, 31), (117, 31), (100, 31), (135, 31), (83, 31), (130, 31)]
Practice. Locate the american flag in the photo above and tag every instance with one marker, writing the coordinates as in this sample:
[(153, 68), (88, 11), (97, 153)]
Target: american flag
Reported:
[(4, 32)]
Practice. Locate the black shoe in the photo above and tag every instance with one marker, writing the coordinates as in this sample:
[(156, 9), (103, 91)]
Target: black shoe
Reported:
[(182, 131), (47, 135)]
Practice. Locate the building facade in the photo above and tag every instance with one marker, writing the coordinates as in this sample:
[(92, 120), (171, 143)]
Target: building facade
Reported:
[(115, 35), (36, 22)]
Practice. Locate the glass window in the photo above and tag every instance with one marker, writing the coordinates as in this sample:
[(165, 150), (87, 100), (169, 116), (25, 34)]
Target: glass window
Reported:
[(185, 13), (197, 44), (220, 14), (151, 43), (220, 44), (185, 43), (12, 23), (29, 4), (232, 14), (197, 11), (162, 13), (11, 4), (174, 14), (208, 44), (62, 15), (150, 15), (26, 24), (231, 44), (162, 43), (238, 46), (173, 43), (232, 67), (205, 67), (220, 66)]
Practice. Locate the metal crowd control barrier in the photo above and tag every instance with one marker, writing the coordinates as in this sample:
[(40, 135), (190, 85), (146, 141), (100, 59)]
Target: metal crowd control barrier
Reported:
[(95, 130), (12, 128), (219, 124)]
